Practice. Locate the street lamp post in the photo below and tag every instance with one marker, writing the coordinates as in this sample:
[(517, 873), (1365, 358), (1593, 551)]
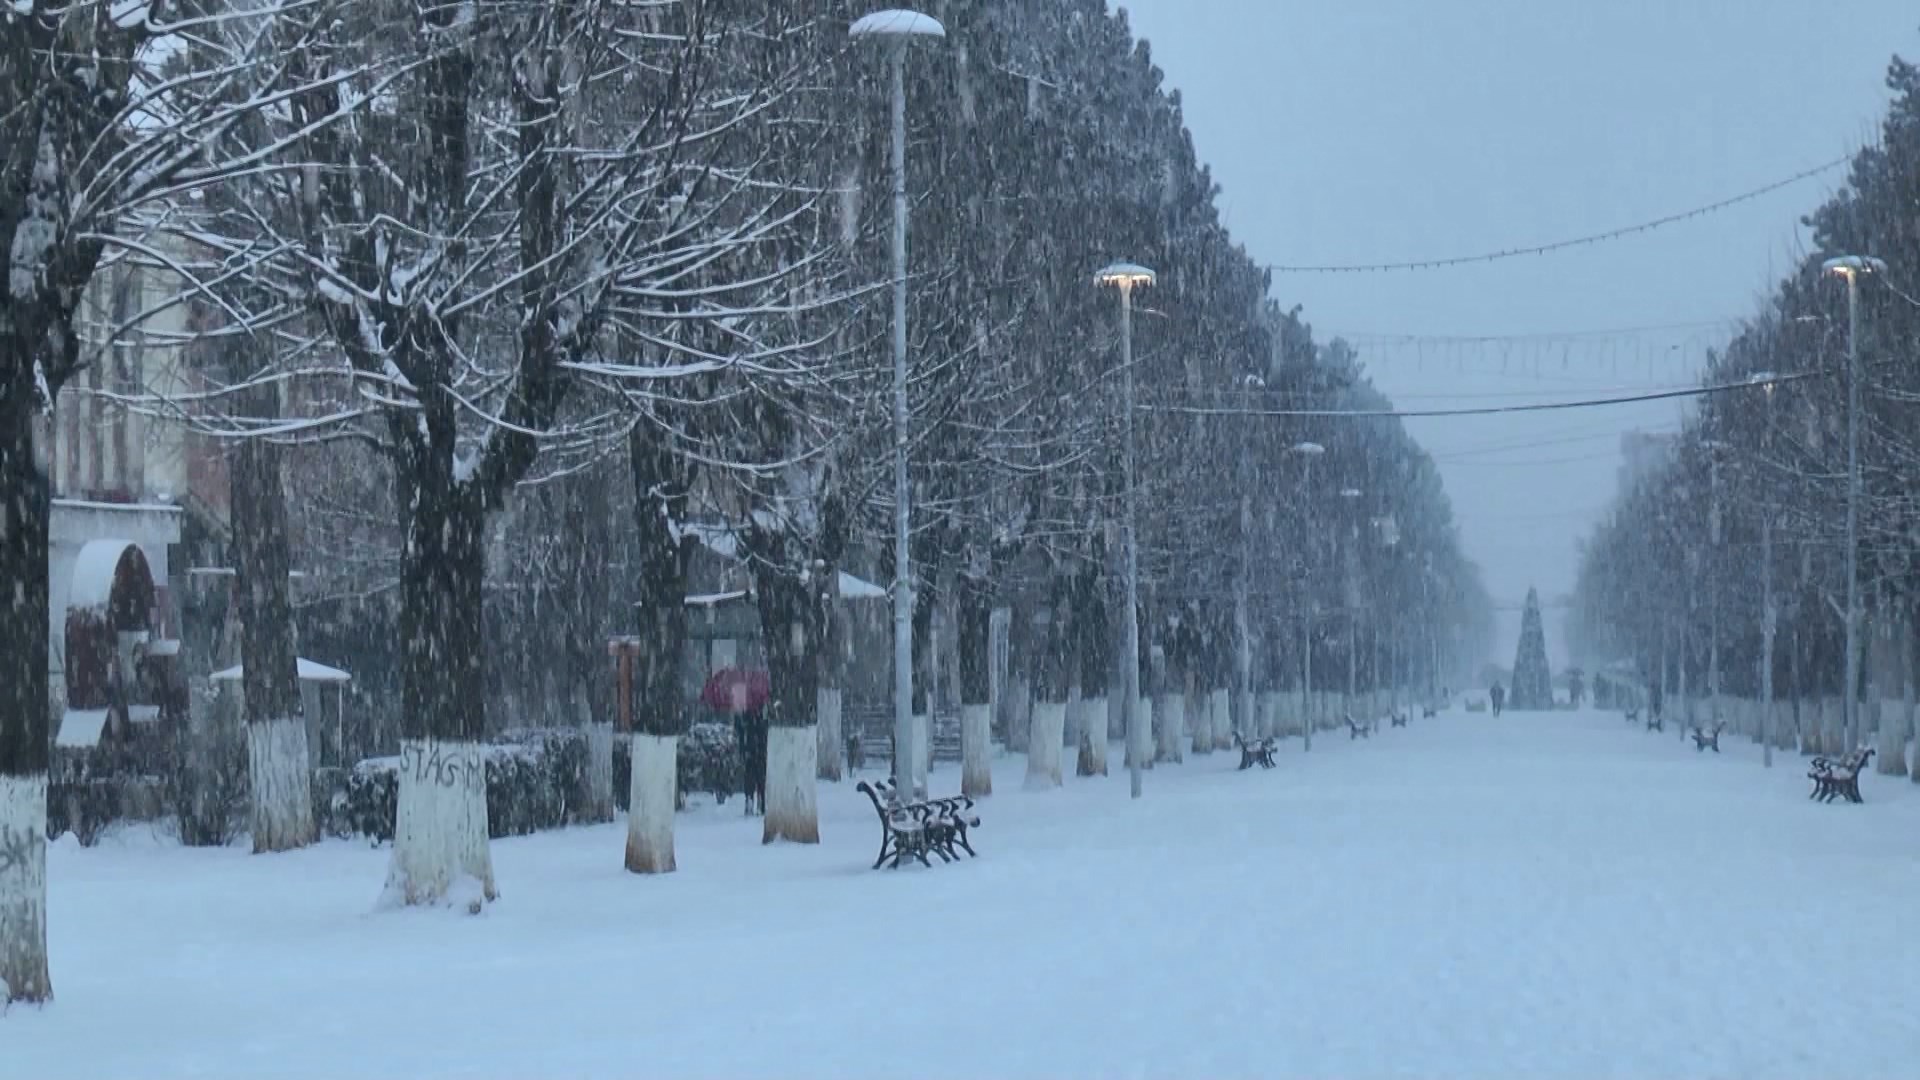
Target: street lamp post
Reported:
[(1307, 452), (1767, 617), (1353, 601), (1851, 267), (897, 30), (1242, 710), (1713, 448), (1126, 277)]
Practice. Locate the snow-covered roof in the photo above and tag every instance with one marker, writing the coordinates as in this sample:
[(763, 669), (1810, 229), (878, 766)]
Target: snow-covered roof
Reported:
[(712, 599), (91, 584), (309, 671), (721, 539), (81, 727), (897, 23), (118, 507), (853, 588)]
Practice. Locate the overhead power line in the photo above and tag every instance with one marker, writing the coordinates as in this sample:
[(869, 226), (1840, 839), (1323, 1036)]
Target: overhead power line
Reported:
[(1485, 410), (1550, 336), (1561, 245)]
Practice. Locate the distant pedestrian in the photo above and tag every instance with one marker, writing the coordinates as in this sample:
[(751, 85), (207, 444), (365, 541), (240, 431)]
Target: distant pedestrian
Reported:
[(1497, 695)]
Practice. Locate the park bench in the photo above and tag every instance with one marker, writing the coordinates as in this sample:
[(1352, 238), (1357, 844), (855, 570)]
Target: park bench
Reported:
[(1654, 723), (1399, 720), (1427, 712), (1839, 779), (1633, 716), (1359, 729), (1254, 753), (916, 829), (1707, 740)]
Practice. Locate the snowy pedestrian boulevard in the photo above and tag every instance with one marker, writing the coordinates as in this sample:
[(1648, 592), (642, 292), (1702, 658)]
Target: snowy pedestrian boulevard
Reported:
[(1545, 895)]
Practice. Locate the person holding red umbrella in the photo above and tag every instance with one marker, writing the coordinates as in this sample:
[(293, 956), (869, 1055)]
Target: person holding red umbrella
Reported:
[(742, 693)]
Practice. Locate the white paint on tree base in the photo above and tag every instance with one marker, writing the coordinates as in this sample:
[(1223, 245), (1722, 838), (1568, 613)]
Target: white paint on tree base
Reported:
[(650, 797), (793, 810), (1140, 743), (1199, 722), (1890, 756), (1220, 708), (1170, 724), (600, 806), (23, 890), (440, 852), (281, 781), (1269, 722), (922, 753), (1093, 737), (1019, 709), (976, 750), (1043, 750), (832, 753)]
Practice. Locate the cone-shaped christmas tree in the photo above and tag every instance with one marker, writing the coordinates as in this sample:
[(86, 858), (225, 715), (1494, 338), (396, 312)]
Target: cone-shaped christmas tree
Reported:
[(1532, 682)]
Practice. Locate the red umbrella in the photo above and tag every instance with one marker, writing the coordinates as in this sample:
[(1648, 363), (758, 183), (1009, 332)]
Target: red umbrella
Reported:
[(736, 690)]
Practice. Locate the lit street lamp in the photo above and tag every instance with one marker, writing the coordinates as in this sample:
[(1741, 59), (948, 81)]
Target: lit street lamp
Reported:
[(1126, 277), (897, 29), (1851, 267)]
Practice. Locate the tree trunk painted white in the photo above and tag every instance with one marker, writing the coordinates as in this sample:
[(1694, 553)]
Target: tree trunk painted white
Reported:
[(999, 667), (793, 806), (831, 735), (1043, 751), (976, 750), (1220, 705), (600, 804), (1912, 708), (1076, 721), (1093, 736), (281, 781), (1019, 713), (1890, 752), (923, 753), (1270, 704), (23, 890), (1145, 733), (653, 778), (1198, 719), (440, 853), (1170, 723), (1783, 731)]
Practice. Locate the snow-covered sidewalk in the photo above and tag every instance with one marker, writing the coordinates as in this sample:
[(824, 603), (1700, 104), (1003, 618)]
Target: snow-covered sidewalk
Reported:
[(1543, 895)]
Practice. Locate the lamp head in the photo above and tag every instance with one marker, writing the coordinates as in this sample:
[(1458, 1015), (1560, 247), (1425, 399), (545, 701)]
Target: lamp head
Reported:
[(1847, 266), (897, 26), (1124, 275)]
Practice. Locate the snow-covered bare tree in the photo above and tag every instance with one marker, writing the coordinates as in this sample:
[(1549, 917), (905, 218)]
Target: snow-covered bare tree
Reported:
[(97, 148), (480, 240)]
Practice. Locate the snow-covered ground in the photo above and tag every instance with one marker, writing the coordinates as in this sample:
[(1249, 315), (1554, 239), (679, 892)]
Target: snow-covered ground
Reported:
[(1543, 895)]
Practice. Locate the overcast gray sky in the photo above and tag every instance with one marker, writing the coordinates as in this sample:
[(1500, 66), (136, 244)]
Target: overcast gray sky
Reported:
[(1362, 131)]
